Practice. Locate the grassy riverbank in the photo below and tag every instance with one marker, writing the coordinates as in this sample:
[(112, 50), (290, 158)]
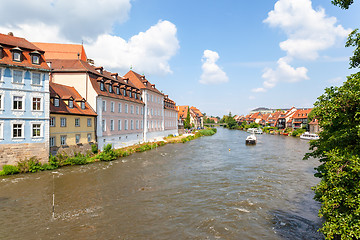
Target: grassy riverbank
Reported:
[(108, 154)]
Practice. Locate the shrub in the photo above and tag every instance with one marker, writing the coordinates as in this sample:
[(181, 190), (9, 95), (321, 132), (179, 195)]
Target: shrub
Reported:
[(9, 170), (108, 154), (30, 165), (78, 159), (94, 149), (298, 132)]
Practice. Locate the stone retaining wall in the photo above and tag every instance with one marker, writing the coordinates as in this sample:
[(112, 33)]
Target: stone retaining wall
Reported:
[(10, 154)]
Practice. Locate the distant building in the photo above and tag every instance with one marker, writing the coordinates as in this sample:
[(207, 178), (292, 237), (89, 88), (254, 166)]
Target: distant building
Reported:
[(196, 118), (24, 101), (63, 51), (314, 126), (72, 121), (170, 117), (300, 118)]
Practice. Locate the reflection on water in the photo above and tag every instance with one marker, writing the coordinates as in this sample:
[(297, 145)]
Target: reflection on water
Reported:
[(197, 190)]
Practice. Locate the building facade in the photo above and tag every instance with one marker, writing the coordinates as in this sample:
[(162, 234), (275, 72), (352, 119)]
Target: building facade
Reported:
[(72, 121), (24, 101), (170, 117)]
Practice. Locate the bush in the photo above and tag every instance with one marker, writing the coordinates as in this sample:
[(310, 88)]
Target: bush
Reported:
[(30, 165), (298, 132), (78, 159), (108, 154), (9, 170), (94, 149)]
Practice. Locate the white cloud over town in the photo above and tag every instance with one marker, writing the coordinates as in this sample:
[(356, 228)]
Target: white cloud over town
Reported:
[(308, 32), (211, 72), (91, 21), (147, 52)]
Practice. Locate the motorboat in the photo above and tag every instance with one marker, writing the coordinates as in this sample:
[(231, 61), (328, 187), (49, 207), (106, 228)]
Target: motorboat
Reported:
[(255, 130), (251, 140), (309, 136)]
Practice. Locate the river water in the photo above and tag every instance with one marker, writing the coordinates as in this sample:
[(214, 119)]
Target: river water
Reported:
[(210, 188)]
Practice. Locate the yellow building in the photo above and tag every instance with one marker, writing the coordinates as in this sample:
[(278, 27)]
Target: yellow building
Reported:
[(72, 121)]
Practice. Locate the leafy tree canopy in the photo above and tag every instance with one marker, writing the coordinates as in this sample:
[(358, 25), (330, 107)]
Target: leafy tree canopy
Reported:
[(344, 4)]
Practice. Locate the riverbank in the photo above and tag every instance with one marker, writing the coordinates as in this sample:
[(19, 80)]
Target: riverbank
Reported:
[(108, 154)]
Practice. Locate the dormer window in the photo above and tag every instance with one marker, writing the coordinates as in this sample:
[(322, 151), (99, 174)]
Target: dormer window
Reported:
[(110, 88), (124, 92), (16, 54), (56, 102), (130, 94), (102, 87), (83, 105), (71, 103), (135, 95), (1, 52), (118, 91), (35, 57)]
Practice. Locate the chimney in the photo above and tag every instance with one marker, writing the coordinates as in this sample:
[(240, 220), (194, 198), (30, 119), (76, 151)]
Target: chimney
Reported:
[(11, 34)]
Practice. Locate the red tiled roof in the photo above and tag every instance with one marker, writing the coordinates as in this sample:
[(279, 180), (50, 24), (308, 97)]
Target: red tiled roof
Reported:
[(65, 92), (197, 112), (141, 82), (62, 51), (302, 113), (314, 122), (9, 42), (183, 110)]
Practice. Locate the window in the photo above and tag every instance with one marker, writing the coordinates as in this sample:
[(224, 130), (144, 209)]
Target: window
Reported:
[(77, 138), (112, 125), (56, 102), (17, 76), (63, 140), (110, 89), (36, 130), (82, 105), (62, 122), (132, 124), (130, 93), (52, 121), (119, 125), (36, 104), (36, 79), (89, 138), (124, 92), (137, 110), (152, 99), (89, 122), (152, 113), (35, 59), (71, 104), (1, 102), (77, 122), (119, 107), (17, 56), (52, 141), (118, 91), (142, 110), (103, 125), (104, 106), (126, 124), (1, 130), (17, 130), (17, 103), (137, 124), (126, 108), (141, 124), (132, 109), (112, 107), (0, 68), (102, 88)]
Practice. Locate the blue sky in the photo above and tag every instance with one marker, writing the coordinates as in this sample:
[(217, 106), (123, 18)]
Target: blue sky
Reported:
[(219, 56)]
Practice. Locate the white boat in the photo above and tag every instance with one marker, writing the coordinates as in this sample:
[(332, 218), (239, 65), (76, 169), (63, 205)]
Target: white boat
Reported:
[(250, 140), (309, 136), (255, 130)]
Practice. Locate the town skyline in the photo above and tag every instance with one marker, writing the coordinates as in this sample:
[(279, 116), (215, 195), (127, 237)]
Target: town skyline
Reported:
[(220, 57)]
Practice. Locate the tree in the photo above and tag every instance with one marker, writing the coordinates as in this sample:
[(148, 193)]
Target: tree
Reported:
[(338, 149), (231, 122), (187, 124)]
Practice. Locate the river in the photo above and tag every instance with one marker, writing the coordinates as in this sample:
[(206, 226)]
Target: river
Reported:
[(210, 188)]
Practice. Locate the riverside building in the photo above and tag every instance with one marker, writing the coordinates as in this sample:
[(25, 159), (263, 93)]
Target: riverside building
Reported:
[(24, 101)]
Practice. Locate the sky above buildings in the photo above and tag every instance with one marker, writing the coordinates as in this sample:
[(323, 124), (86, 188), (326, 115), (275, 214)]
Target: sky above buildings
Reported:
[(219, 56)]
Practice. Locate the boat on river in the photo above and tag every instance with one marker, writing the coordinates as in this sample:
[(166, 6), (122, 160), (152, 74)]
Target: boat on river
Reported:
[(255, 130), (251, 140), (309, 136)]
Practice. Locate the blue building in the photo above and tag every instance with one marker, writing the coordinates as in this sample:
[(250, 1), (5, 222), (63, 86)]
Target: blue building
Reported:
[(24, 101)]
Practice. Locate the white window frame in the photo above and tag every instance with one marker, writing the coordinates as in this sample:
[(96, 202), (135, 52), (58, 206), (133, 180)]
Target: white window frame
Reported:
[(1, 130), (2, 99), (126, 125), (82, 105), (40, 129), (32, 79), (112, 107), (77, 122), (89, 137), (22, 130), (141, 124), (112, 127), (137, 110), (132, 109), (132, 124), (137, 124), (103, 125), (35, 59), (22, 77), (56, 102), (52, 141), (103, 105), (22, 103), (89, 122), (119, 125), (40, 104), (71, 103), (63, 137), (14, 58), (119, 108), (52, 121), (63, 122), (126, 108)]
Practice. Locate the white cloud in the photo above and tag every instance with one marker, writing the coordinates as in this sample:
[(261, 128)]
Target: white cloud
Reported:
[(259, 90), (147, 52), (308, 31), (212, 73), (74, 20)]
